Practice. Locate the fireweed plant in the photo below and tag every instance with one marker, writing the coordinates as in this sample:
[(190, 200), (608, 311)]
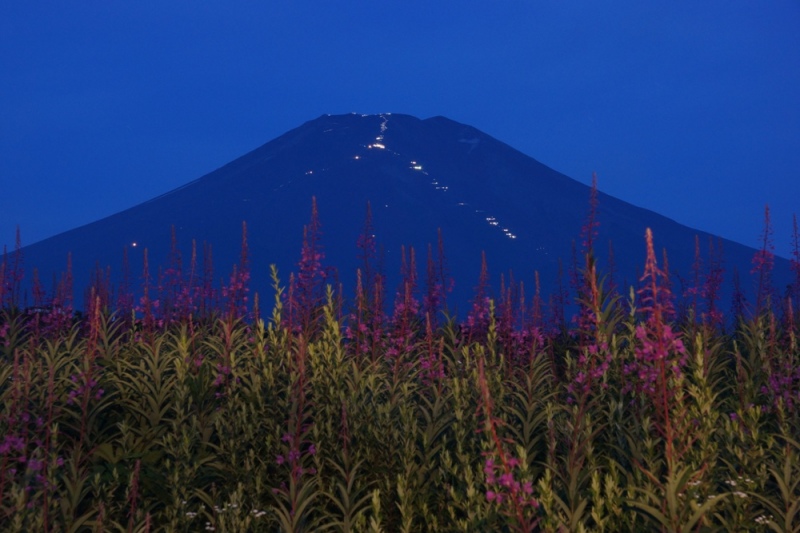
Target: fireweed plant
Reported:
[(182, 409)]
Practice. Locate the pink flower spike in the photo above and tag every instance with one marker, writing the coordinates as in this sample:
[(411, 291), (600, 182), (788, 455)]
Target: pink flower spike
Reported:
[(506, 480)]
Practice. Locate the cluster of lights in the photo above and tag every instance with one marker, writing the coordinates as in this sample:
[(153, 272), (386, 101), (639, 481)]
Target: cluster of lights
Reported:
[(492, 221), (379, 139), (416, 166)]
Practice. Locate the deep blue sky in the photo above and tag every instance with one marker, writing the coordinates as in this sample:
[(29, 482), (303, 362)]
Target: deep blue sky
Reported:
[(688, 108)]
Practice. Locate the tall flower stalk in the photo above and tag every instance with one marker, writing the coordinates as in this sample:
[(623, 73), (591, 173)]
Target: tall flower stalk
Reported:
[(660, 355)]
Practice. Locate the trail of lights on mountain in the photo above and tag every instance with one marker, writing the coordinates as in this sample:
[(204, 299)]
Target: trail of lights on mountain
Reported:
[(492, 221), (380, 144)]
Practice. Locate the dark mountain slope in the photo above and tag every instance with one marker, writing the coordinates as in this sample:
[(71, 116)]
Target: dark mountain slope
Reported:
[(419, 175)]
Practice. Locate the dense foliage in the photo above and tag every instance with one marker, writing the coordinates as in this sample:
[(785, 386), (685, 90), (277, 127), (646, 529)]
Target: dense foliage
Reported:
[(331, 415)]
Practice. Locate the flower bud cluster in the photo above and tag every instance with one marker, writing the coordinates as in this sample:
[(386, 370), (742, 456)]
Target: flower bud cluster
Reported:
[(85, 386), (503, 487)]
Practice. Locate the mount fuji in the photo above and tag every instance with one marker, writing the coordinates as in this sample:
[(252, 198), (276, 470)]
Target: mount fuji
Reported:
[(418, 176)]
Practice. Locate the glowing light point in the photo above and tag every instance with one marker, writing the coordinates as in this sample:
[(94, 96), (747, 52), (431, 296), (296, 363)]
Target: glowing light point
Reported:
[(134, 244)]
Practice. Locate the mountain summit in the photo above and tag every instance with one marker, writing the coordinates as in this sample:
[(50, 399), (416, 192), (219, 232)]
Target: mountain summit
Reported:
[(418, 176)]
